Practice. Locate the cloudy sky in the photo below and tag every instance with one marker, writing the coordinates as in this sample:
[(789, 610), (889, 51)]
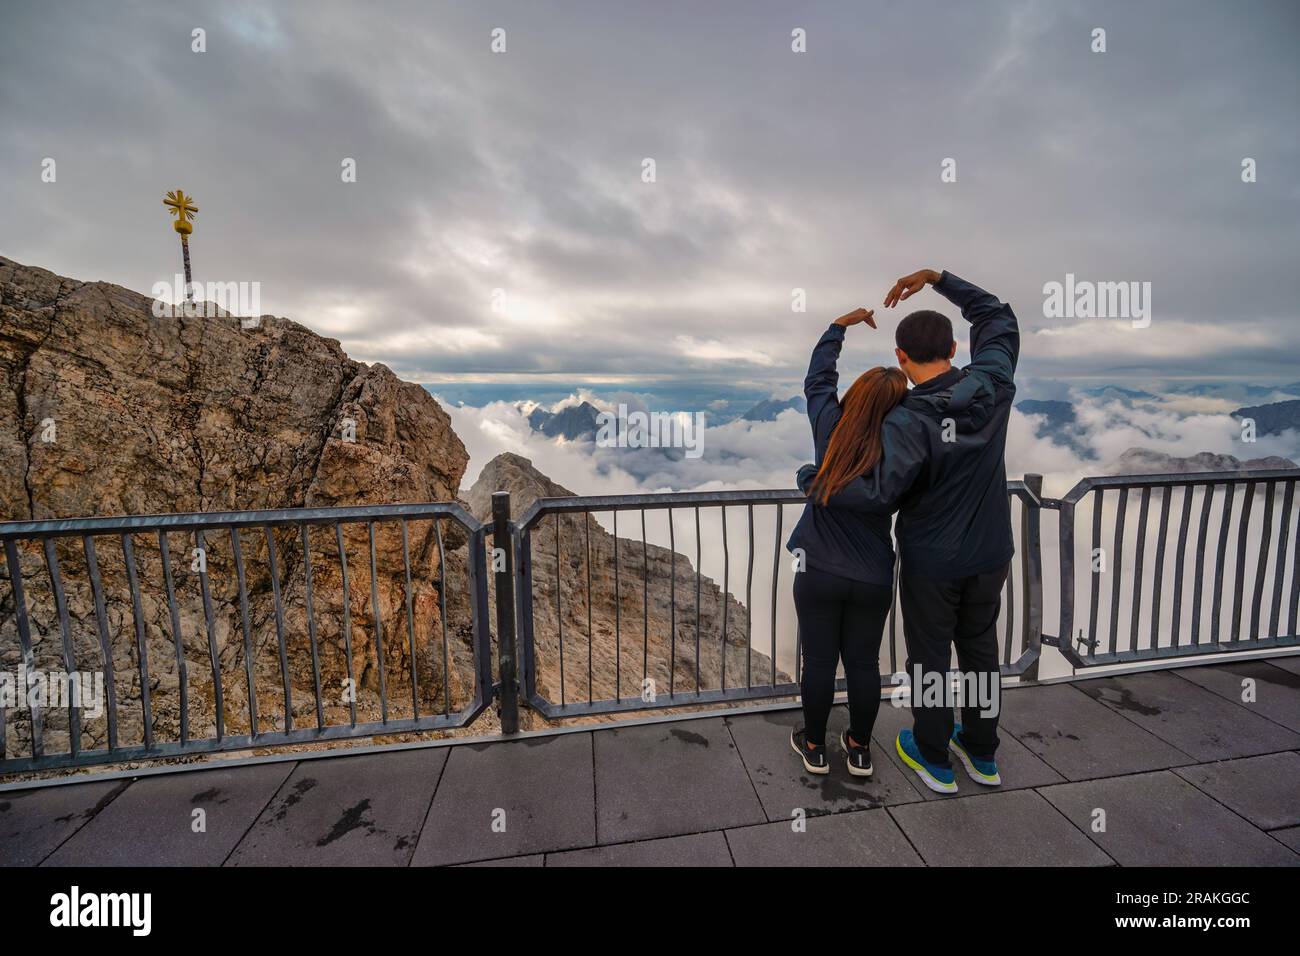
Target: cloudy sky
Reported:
[(775, 170)]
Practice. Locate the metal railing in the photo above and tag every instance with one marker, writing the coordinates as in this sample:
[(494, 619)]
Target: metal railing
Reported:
[(1198, 531), (373, 664), (674, 662), (299, 626)]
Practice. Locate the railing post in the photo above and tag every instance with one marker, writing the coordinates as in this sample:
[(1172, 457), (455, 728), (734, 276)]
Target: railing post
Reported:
[(1033, 574), (503, 561)]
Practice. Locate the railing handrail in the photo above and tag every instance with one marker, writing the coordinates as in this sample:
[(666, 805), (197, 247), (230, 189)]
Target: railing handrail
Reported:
[(1085, 485), (123, 524), (569, 504), (650, 502)]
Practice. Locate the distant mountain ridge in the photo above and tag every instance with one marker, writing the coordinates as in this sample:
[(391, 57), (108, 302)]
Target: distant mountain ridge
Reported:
[(574, 422), (1238, 391), (1273, 418), (1144, 461), (570, 423), (768, 409), (1060, 424)]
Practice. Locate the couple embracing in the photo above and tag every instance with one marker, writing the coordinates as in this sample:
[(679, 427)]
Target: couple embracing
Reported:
[(933, 455)]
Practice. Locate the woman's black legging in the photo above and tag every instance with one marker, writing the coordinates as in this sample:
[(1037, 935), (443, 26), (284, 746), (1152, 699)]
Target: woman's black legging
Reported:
[(840, 618)]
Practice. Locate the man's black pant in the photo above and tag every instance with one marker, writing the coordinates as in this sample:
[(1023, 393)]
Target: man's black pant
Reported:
[(936, 616)]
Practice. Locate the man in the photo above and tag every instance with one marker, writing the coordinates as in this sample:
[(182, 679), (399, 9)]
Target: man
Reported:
[(943, 471)]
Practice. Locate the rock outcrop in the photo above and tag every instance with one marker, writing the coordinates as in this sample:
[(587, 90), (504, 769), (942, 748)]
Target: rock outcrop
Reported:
[(647, 648), (106, 409)]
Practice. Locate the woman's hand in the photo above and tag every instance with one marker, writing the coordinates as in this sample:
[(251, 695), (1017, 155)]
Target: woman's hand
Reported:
[(856, 316)]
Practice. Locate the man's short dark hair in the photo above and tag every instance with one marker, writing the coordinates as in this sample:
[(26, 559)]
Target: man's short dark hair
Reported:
[(925, 336)]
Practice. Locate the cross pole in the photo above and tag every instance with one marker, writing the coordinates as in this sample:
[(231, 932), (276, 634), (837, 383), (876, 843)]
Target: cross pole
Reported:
[(183, 208)]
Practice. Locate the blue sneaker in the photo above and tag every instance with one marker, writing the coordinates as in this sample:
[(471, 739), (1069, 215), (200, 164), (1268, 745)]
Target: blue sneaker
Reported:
[(938, 779), (981, 771)]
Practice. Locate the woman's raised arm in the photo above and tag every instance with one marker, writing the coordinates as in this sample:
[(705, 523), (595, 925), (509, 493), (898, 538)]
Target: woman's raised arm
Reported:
[(820, 386)]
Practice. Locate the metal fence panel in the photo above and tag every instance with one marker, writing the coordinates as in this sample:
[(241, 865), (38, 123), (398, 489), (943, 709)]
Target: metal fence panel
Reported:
[(690, 650), (157, 636), (1221, 545)]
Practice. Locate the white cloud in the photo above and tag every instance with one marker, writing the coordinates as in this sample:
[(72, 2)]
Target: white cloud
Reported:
[(714, 350), (522, 172), (746, 455)]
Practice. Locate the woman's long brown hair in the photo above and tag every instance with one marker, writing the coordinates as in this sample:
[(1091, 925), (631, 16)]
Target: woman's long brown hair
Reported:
[(855, 444)]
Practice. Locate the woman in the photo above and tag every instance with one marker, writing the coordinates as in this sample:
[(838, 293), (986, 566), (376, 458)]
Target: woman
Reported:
[(843, 592)]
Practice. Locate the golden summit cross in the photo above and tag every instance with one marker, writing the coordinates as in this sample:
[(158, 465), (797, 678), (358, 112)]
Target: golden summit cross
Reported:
[(183, 208)]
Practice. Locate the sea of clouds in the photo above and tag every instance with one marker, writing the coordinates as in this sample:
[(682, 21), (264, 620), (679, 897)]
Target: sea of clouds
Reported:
[(741, 454)]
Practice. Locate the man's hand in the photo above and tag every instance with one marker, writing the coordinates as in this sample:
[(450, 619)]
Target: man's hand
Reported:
[(909, 286), (856, 316)]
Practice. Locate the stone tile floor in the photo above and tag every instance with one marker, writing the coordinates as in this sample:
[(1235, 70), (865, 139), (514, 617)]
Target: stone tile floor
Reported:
[(1157, 768)]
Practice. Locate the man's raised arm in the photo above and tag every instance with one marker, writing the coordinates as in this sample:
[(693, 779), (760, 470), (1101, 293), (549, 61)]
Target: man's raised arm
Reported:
[(881, 489), (995, 334)]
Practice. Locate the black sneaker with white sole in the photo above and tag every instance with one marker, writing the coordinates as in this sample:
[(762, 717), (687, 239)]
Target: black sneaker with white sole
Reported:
[(813, 756), (857, 757)]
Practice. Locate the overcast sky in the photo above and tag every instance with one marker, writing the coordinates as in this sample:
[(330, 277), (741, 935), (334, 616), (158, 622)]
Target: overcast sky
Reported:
[(522, 171)]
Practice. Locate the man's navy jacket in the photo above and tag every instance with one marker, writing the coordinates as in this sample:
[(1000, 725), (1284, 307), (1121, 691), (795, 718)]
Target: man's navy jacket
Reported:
[(942, 467)]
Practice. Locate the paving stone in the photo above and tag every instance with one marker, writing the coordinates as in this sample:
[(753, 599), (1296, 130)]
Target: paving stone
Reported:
[(1277, 690), (34, 822), (543, 785), (1159, 819), (1290, 663), (696, 849), (363, 810), (151, 822), (1265, 790), (861, 838), (1289, 837), (668, 779), (1017, 765), (1080, 738), (1189, 717), (782, 783), (1011, 828), (537, 859)]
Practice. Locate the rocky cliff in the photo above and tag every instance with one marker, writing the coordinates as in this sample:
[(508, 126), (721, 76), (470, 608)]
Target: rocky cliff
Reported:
[(106, 409), (645, 648)]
